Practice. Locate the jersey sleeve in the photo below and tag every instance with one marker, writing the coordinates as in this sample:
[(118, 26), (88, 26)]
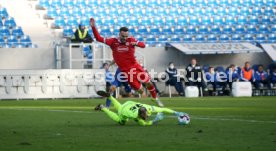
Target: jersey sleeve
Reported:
[(144, 123), (107, 41), (139, 43)]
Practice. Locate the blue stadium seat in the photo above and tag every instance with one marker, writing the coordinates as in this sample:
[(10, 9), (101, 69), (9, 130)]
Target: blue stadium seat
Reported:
[(170, 21), (242, 20), (205, 68), (9, 22), (2, 41), (112, 12), (212, 38), (56, 3), (178, 30), (122, 21), (76, 12), (85, 21), (167, 30), (194, 20), (90, 12), (206, 20), (236, 3), (3, 12), (209, 11), (157, 20), (1, 24), (273, 28), (187, 38), (155, 30), (105, 31), (153, 3), (251, 29), (6, 46), (175, 39), (133, 21), (184, 11), (273, 19), (162, 39), (221, 11), (68, 31), (107, 21), (224, 3), (215, 29), (173, 11), (146, 21), (162, 11), (124, 12), (143, 30), (212, 3), (12, 40), (200, 38), (244, 11), (64, 12), (182, 21), (201, 3), (43, 4), (4, 31), (17, 31), (263, 29), (236, 38), (151, 40), (270, 3), (256, 11), (272, 38), (233, 11), (51, 13), (249, 37), (227, 29), (189, 3), (25, 40), (203, 29), (132, 30), (239, 29), (265, 20), (69, 3), (191, 29), (81, 3), (130, 3), (198, 11), (59, 22), (72, 21), (259, 3), (224, 38), (230, 20), (139, 37), (261, 38), (253, 19), (218, 20), (268, 11), (150, 11), (247, 3), (220, 69)]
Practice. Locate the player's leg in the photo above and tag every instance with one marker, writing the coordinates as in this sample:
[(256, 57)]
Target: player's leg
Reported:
[(115, 102), (115, 117)]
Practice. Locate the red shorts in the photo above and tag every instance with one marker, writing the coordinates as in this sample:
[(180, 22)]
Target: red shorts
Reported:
[(136, 76)]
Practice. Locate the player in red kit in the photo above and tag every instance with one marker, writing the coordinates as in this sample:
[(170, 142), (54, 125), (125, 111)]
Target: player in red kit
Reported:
[(123, 49)]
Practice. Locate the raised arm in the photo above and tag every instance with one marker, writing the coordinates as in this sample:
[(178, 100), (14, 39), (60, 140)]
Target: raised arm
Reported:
[(97, 34)]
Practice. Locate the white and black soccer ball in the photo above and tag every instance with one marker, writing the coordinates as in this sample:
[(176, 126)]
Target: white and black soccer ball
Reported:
[(183, 119)]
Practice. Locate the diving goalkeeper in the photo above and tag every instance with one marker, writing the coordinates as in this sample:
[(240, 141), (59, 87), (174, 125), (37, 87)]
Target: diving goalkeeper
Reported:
[(133, 110)]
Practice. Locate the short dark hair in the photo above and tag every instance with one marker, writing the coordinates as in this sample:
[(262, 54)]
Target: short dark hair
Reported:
[(142, 113), (125, 29), (105, 64)]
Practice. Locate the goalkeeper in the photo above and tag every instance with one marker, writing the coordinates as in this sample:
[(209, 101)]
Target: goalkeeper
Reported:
[(133, 110)]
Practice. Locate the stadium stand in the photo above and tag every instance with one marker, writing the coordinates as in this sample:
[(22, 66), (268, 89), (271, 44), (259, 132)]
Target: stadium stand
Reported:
[(11, 35)]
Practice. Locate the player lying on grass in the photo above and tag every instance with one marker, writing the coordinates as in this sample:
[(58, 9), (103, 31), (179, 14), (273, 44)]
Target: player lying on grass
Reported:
[(133, 110)]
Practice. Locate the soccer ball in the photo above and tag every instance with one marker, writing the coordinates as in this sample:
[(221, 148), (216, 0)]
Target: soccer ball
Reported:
[(183, 119)]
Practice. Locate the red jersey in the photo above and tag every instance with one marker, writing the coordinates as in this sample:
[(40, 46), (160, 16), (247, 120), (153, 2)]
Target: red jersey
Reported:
[(123, 53)]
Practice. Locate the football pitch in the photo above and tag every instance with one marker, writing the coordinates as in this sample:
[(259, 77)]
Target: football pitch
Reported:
[(217, 124)]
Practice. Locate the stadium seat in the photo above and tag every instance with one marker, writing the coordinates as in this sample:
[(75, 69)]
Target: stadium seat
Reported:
[(203, 29), (4, 31), (105, 31), (201, 3), (212, 38), (218, 20), (239, 29), (139, 37), (12, 40), (236, 3), (256, 11), (130, 3), (220, 11), (64, 12), (178, 30), (43, 4), (157, 20), (242, 20), (270, 3), (51, 13), (251, 29), (1, 24), (265, 20), (166, 30), (247, 3), (224, 38), (227, 29), (9, 22), (219, 69), (191, 29), (146, 21), (249, 37), (187, 38), (154, 30), (236, 38), (133, 21), (124, 12), (59, 22), (184, 11), (244, 11), (143, 30), (2, 41), (17, 31), (224, 3), (25, 40), (81, 3), (215, 29), (162, 39), (200, 38), (68, 31), (56, 3), (6, 46), (182, 21), (206, 20), (259, 3), (230, 20), (151, 40), (209, 11), (261, 38), (194, 20), (233, 11), (122, 21), (153, 3), (132, 30), (72, 22), (76, 12), (272, 38), (189, 3), (173, 11), (263, 29), (268, 10), (212, 3), (175, 39), (69, 3), (162, 11), (170, 21), (254, 20), (85, 21), (273, 28), (198, 11)]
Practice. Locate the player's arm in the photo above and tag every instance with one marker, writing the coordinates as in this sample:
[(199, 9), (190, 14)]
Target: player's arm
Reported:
[(144, 123), (97, 34), (138, 43)]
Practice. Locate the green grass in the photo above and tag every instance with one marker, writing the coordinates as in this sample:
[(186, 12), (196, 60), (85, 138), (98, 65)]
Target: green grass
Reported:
[(217, 124)]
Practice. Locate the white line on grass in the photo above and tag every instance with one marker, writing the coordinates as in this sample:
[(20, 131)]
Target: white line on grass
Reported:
[(192, 117)]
